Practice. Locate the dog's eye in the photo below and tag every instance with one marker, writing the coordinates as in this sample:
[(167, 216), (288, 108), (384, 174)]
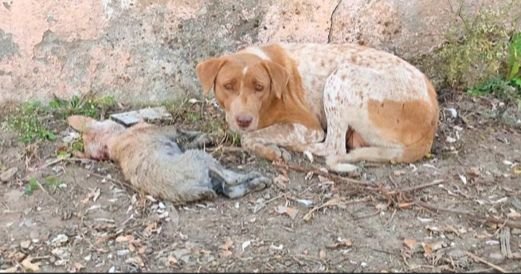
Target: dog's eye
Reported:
[(228, 86), (259, 87)]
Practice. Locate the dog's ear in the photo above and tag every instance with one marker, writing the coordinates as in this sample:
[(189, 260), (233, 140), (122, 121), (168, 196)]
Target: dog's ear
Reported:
[(207, 72), (279, 77), (79, 122)]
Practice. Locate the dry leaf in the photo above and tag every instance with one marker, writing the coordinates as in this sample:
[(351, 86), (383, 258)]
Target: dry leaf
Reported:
[(225, 248), (29, 266), (431, 247), (405, 205), (126, 238), (281, 181), (410, 243), (291, 212), (322, 254)]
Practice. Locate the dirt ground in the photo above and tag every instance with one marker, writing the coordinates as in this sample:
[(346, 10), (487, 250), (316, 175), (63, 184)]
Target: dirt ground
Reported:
[(88, 220)]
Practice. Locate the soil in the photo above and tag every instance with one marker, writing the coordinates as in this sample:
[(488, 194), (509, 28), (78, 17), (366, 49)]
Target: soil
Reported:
[(91, 221)]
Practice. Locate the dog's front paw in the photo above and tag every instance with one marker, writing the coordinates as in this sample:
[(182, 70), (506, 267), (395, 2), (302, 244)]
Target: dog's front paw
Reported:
[(334, 164)]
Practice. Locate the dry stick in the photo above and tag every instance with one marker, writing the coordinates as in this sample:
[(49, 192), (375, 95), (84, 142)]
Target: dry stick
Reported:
[(331, 202), (475, 257), (418, 187), (471, 215), (325, 174), (359, 182)]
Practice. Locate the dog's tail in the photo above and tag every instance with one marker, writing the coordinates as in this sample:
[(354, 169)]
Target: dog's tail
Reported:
[(80, 122)]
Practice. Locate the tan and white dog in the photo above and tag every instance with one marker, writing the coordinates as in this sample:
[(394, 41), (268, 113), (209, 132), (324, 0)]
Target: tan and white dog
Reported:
[(373, 105)]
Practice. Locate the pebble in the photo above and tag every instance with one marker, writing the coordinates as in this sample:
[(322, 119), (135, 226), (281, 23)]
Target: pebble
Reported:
[(497, 257), (61, 253), (59, 240), (122, 252), (8, 174), (25, 244)]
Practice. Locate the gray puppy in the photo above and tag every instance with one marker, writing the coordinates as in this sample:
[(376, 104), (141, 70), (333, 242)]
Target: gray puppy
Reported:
[(152, 161)]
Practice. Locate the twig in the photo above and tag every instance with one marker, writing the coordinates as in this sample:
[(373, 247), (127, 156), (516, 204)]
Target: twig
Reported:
[(411, 189), (470, 215), (331, 202), (324, 174), (45, 190), (475, 257), (505, 242)]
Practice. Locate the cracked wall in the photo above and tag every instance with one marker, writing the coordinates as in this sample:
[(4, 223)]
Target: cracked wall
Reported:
[(144, 51)]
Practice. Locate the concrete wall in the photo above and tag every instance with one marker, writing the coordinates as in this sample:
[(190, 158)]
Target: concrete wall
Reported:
[(146, 50)]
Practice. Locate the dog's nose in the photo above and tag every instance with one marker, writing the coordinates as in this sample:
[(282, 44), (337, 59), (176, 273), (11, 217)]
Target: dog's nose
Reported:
[(244, 121)]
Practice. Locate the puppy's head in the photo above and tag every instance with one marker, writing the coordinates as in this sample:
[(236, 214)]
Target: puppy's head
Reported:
[(244, 85), (96, 135)]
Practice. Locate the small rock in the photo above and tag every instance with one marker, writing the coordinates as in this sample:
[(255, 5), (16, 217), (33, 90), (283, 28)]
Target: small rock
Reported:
[(59, 240), (87, 258), (25, 244), (112, 269), (61, 252), (497, 257), (8, 174), (60, 262), (123, 252)]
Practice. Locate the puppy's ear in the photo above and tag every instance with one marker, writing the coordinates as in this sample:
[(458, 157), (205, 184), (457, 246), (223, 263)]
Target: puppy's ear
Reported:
[(79, 122), (279, 77), (207, 72)]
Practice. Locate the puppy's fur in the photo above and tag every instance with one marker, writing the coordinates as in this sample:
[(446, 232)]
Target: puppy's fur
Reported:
[(153, 162), (346, 102)]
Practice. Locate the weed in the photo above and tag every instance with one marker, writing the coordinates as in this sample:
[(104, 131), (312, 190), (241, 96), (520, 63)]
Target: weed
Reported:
[(52, 182), (29, 123), (31, 186), (32, 119), (88, 106)]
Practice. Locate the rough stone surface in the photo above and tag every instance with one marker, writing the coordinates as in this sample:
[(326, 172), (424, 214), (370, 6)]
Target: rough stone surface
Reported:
[(146, 51)]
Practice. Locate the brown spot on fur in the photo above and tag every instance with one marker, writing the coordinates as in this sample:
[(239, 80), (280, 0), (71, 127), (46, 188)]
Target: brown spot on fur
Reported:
[(412, 123)]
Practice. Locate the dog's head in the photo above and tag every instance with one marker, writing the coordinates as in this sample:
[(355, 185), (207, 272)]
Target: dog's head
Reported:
[(245, 85), (96, 135)]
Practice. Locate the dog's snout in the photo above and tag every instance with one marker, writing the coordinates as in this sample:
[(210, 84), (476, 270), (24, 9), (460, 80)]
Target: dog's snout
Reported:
[(244, 121)]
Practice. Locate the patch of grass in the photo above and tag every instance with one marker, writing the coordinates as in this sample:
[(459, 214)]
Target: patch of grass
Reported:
[(88, 106), (31, 120), (28, 121), (31, 186), (52, 182)]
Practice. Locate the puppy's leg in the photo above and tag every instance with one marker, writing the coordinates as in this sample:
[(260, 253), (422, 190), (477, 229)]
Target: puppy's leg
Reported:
[(265, 142), (234, 185)]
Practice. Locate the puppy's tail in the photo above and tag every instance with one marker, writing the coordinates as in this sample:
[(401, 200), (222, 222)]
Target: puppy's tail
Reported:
[(80, 122)]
